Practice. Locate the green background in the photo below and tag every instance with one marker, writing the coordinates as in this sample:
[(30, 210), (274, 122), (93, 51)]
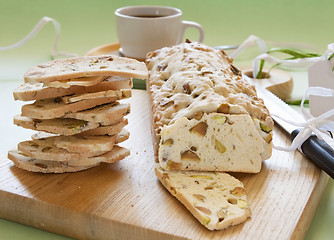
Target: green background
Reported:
[(87, 24)]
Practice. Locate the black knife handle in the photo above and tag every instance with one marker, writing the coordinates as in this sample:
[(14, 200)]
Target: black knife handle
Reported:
[(319, 152)]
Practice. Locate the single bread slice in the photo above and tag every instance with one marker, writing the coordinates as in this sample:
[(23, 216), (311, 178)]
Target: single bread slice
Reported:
[(121, 134), (55, 107), (106, 114), (43, 166), (81, 144), (102, 118), (216, 141), (116, 128), (61, 148), (217, 200), (36, 165), (54, 150), (86, 66), (62, 126), (36, 91)]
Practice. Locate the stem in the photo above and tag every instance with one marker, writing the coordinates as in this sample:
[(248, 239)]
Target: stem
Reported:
[(294, 53), (297, 102), (259, 74)]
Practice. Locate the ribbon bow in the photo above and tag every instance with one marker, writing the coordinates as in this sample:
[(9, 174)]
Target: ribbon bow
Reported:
[(312, 124)]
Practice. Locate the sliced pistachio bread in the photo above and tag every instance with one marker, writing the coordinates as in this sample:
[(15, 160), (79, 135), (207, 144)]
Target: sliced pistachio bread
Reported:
[(189, 85), (86, 66), (55, 107), (37, 91), (61, 148), (23, 161), (70, 148), (62, 126), (217, 200)]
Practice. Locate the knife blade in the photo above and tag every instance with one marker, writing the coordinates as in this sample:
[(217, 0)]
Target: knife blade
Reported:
[(318, 151)]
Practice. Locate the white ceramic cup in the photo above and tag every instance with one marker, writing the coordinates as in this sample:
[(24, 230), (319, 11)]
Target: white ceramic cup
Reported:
[(142, 29)]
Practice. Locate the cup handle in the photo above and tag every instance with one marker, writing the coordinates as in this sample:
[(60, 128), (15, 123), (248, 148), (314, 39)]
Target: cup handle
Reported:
[(189, 24)]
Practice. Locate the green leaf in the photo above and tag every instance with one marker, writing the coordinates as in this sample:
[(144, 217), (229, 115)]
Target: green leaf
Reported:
[(259, 74), (295, 54), (331, 56)]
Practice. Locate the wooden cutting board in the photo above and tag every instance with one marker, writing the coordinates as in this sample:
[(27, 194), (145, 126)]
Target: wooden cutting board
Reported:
[(126, 201)]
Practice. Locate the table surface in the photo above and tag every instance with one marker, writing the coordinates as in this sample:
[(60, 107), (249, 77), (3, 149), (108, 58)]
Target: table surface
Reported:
[(87, 24)]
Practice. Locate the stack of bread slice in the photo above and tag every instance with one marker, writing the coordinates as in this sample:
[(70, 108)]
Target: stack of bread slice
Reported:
[(77, 104)]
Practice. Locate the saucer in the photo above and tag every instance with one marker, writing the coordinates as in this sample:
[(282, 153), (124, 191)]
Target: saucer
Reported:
[(111, 48)]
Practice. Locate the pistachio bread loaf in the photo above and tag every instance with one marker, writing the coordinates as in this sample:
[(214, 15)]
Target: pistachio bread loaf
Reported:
[(206, 116)]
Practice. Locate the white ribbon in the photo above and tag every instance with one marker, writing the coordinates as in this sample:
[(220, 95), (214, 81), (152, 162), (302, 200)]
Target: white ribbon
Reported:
[(329, 54), (54, 51), (330, 51), (252, 40), (311, 124)]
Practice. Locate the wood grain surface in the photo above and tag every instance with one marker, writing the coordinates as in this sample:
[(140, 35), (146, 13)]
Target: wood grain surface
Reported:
[(126, 201)]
